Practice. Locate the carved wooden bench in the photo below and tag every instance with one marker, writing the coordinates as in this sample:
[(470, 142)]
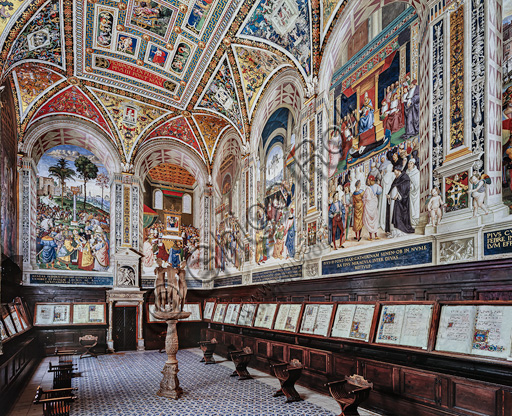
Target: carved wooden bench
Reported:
[(208, 348), (62, 374), (288, 374), (65, 356), (350, 393), (55, 402), (88, 342), (241, 359)]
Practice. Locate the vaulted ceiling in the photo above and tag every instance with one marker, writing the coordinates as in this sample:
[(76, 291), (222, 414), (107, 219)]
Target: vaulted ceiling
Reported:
[(141, 70)]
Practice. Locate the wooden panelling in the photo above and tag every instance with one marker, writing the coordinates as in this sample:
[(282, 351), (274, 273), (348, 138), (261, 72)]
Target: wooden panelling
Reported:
[(344, 366), (419, 386), (296, 354), (318, 361), (262, 348), (381, 375), (277, 352), (474, 399)]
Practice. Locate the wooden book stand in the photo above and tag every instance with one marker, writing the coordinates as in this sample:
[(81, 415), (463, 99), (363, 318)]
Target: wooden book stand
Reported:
[(241, 359), (55, 402), (288, 374), (350, 393)]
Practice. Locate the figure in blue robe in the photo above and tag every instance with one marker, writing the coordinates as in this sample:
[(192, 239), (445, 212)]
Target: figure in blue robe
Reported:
[(366, 119), (48, 253), (174, 257), (290, 237)]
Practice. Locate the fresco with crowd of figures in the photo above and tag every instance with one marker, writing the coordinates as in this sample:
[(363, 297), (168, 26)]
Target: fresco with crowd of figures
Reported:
[(73, 211)]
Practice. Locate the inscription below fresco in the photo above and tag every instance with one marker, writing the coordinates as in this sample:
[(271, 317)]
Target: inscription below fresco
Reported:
[(71, 280), (498, 242), (277, 274), (403, 256)]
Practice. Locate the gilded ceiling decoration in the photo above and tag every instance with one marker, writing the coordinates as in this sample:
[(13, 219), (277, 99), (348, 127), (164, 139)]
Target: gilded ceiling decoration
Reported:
[(210, 128), (179, 129), (31, 82), (73, 101), (139, 64), (170, 173)]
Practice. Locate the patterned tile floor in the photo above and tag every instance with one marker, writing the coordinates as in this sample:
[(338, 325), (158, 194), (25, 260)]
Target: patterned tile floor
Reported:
[(125, 385)]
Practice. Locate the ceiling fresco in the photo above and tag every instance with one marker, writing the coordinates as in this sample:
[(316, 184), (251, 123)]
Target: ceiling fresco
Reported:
[(32, 80), (73, 101), (140, 69), (179, 129)]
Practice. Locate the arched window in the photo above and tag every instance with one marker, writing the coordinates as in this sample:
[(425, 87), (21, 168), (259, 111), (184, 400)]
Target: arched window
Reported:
[(187, 204), (158, 199)]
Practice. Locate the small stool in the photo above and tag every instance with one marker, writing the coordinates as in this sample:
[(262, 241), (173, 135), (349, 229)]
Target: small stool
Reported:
[(88, 342), (350, 393), (241, 359), (208, 348), (288, 374)]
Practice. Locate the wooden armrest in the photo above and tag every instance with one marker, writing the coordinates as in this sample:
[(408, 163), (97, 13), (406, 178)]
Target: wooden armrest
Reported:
[(359, 389), (62, 390), (236, 352), (55, 399), (280, 365), (335, 383)]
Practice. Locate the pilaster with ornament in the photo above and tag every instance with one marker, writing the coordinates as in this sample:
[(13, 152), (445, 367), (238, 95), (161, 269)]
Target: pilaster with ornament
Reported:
[(492, 59), (28, 208)]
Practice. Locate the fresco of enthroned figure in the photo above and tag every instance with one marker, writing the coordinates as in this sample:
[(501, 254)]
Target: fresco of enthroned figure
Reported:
[(373, 146)]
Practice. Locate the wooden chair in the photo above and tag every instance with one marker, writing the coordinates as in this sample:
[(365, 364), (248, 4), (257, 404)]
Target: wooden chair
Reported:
[(62, 374), (55, 402), (288, 374), (241, 359), (350, 393), (208, 348), (88, 342)]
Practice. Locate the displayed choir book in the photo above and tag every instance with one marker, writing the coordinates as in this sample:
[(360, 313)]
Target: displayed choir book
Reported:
[(195, 311), (288, 317), (3, 332), (484, 330), (86, 313), (406, 325), (208, 310), (232, 313), (219, 313), (9, 324), (316, 319), (247, 313), (52, 314), (353, 321), (265, 315), (15, 318)]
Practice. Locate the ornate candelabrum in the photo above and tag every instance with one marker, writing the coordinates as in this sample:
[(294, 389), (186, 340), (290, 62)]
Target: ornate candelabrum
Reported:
[(169, 301)]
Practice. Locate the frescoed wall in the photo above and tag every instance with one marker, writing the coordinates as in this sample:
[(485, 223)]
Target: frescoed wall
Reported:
[(73, 211), (169, 235), (373, 147), (507, 110), (8, 178), (276, 224)]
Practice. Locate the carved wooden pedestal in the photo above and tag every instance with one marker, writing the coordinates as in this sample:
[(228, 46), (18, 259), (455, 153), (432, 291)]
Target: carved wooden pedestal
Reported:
[(170, 385)]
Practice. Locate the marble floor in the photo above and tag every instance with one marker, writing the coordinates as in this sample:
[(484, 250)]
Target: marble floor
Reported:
[(125, 384)]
